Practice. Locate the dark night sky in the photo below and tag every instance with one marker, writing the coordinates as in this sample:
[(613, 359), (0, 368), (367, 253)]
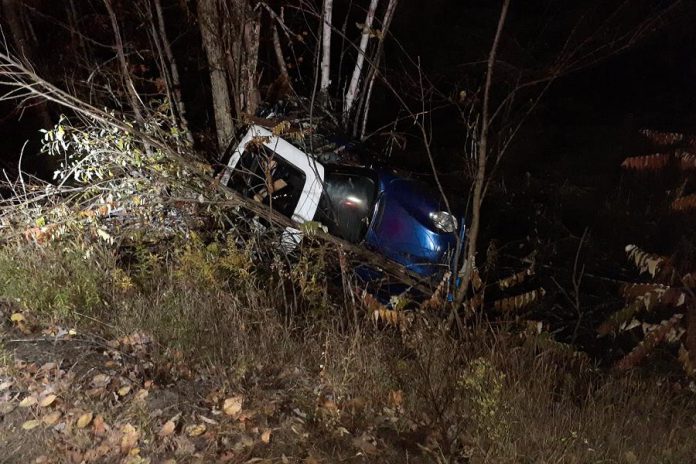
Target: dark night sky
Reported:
[(651, 84)]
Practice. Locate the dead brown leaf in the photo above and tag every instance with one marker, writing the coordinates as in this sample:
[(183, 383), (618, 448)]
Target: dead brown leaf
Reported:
[(28, 401), (195, 430), (51, 418), (233, 405), (97, 454), (167, 429), (84, 420), (129, 439), (31, 424), (99, 426), (100, 380), (266, 436), (396, 398), (47, 400)]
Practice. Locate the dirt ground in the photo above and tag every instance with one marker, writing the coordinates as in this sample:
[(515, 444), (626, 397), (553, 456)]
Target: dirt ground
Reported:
[(68, 397)]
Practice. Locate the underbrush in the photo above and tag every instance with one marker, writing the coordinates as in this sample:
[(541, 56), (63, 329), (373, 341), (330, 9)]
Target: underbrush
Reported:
[(418, 393)]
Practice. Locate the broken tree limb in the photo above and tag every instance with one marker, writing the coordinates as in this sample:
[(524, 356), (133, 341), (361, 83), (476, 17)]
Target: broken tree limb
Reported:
[(24, 83), (361, 254)]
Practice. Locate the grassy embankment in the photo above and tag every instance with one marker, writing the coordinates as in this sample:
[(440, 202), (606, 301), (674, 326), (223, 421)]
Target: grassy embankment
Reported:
[(197, 355)]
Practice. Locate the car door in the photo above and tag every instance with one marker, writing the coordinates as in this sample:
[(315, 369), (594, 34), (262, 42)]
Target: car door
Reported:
[(272, 171)]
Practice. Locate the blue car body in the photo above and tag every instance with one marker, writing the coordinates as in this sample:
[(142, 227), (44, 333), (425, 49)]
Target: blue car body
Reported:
[(402, 229)]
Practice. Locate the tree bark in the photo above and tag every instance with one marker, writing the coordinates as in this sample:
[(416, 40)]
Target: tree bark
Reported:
[(241, 47), (326, 50), (250, 61), (357, 71), (279, 55), (211, 36)]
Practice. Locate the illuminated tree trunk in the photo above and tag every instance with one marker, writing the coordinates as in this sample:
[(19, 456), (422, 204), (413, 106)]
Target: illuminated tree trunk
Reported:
[(357, 71), (127, 81), (326, 50)]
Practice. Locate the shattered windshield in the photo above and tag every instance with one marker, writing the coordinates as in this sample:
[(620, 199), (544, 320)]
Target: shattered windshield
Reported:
[(266, 177), (347, 204)]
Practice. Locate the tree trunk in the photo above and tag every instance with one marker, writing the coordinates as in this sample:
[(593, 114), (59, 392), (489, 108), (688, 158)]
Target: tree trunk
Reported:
[(472, 236), (372, 74), (127, 81), (326, 51), (174, 73), (355, 80), (211, 36), (250, 61), (242, 33)]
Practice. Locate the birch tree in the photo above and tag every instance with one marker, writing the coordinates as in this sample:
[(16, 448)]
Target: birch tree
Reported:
[(326, 50), (353, 87)]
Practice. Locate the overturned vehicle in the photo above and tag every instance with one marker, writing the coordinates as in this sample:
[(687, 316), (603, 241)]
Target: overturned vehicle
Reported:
[(394, 216)]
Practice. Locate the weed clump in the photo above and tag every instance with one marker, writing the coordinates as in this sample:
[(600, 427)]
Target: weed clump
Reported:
[(58, 281)]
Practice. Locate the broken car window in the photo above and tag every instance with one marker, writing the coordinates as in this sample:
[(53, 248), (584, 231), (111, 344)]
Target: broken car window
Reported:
[(269, 179), (347, 204)]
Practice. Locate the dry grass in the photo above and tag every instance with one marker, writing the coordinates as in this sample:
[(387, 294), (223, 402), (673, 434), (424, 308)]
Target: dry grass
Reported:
[(363, 392)]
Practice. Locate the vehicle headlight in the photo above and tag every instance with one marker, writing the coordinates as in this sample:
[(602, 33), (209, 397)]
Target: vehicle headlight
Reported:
[(444, 221)]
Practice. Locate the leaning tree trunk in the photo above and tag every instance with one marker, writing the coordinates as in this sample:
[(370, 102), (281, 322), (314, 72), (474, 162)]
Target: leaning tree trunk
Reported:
[(128, 84), (178, 99), (211, 34)]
